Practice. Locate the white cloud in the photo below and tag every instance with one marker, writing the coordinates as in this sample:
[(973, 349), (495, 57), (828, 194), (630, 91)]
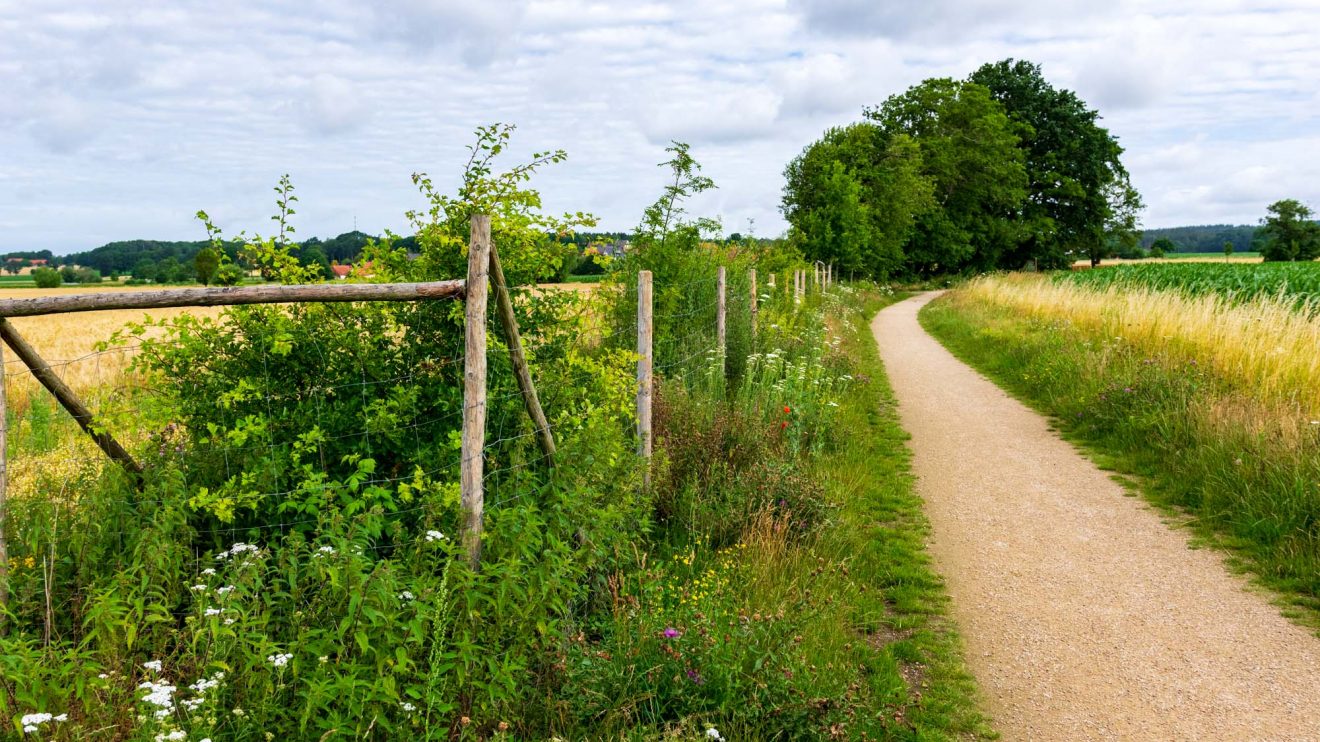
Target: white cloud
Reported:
[(120, 119)]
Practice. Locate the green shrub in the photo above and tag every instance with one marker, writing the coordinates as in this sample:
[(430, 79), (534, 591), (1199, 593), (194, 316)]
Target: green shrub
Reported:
[(47, 278), (228, 274)]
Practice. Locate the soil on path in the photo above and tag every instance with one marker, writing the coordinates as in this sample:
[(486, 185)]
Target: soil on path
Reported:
[(1085, 616)]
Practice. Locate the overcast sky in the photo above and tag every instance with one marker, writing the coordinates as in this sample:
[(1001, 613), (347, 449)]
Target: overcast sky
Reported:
[(119, 120)]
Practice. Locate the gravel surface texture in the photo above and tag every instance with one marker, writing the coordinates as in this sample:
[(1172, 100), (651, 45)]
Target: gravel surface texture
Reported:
[(1085, 615)]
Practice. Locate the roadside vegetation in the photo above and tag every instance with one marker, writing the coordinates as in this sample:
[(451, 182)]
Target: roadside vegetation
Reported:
[(290, 569), (1209, 398)]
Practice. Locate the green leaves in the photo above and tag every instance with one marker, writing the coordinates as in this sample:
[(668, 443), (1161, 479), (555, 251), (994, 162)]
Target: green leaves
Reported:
[(1288, 232)]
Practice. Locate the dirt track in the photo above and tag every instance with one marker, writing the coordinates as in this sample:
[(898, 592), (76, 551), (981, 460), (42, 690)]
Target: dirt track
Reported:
[(1084, 615)]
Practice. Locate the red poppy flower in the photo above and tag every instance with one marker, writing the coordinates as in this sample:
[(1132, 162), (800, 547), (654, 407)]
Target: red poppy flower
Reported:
[(787, 409), (783, 425)]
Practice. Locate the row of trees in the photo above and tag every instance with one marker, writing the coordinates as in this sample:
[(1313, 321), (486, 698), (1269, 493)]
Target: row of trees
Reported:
[(127, 256), (996, 171)]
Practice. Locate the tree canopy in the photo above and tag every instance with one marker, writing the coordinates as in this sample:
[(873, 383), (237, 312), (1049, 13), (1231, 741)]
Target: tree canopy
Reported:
[(996, 171), (1288, 232)]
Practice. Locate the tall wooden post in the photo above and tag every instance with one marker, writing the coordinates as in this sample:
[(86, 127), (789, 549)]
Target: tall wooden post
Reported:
[(504, 308), (644, 379), (474, 388), (4, 490), (720, 309), (799, 278), (754, 299)]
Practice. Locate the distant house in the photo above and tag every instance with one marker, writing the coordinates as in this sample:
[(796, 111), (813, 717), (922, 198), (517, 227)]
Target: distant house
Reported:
[(36, 262), (356, 271)]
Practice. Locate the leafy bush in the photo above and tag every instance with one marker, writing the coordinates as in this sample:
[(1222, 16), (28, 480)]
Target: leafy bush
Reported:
[(47, 278), (228, 274), (87, 275)]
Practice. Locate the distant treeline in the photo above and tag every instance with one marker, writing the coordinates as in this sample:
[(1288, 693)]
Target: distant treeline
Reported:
[(1203, 238), (123, 256)]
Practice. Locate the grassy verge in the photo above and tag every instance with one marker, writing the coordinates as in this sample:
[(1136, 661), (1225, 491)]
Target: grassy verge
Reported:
[(899, 603), (1184, 428), (781, 629)]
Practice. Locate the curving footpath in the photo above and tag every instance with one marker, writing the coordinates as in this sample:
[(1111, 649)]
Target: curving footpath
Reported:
[(1084, 615)]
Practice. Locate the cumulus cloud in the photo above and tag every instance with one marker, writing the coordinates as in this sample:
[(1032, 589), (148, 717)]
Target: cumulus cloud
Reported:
[(482, 31), (333, 105), (120, 119), (943, 18)]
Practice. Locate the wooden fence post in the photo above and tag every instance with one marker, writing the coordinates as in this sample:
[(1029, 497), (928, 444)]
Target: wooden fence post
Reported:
[(751, 294), (720, 309), (474, 388), (504, 308), (4, 490), (799, 278), (644, 379)]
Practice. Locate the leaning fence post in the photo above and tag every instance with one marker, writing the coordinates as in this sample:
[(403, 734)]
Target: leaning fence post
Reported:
[(65, 395), (751, 294), (474, 387), (644, 379), (720, 309), (504, 309)]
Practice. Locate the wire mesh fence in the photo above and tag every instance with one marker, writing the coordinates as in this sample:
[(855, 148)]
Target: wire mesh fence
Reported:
[(317, 423)]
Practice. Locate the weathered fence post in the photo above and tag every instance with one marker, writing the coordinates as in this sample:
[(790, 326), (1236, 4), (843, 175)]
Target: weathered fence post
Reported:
[(644, 380), (474, 387), (4, 490), (751, 294), (720, 309), (799, 278), (504, 308)]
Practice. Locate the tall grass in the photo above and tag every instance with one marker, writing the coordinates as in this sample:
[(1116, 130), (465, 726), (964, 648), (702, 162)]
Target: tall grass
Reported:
[(1265, 348)]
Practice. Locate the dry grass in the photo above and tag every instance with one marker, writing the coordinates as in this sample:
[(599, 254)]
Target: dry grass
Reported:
[(1263, 346)]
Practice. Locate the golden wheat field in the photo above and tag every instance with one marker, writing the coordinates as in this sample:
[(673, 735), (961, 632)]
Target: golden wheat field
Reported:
[(1265, 346)]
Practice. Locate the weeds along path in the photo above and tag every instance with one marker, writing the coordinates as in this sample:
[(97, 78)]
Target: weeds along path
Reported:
[(1084, 614)]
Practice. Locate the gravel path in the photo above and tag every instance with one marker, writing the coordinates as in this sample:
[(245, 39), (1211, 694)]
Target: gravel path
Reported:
[(1084, 615)]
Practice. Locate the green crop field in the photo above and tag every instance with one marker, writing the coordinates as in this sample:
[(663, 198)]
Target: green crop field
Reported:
[(1242, 281)]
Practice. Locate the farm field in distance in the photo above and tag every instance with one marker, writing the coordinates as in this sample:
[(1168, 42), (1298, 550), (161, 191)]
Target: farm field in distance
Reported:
[(1299, 282)]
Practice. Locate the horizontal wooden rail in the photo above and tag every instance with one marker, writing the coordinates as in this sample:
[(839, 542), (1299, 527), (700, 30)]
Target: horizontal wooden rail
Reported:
[(227, 295)]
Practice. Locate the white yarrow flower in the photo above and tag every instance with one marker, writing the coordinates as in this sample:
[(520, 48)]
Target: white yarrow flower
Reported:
[(153, 665), (279, 660), (435, 536)]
